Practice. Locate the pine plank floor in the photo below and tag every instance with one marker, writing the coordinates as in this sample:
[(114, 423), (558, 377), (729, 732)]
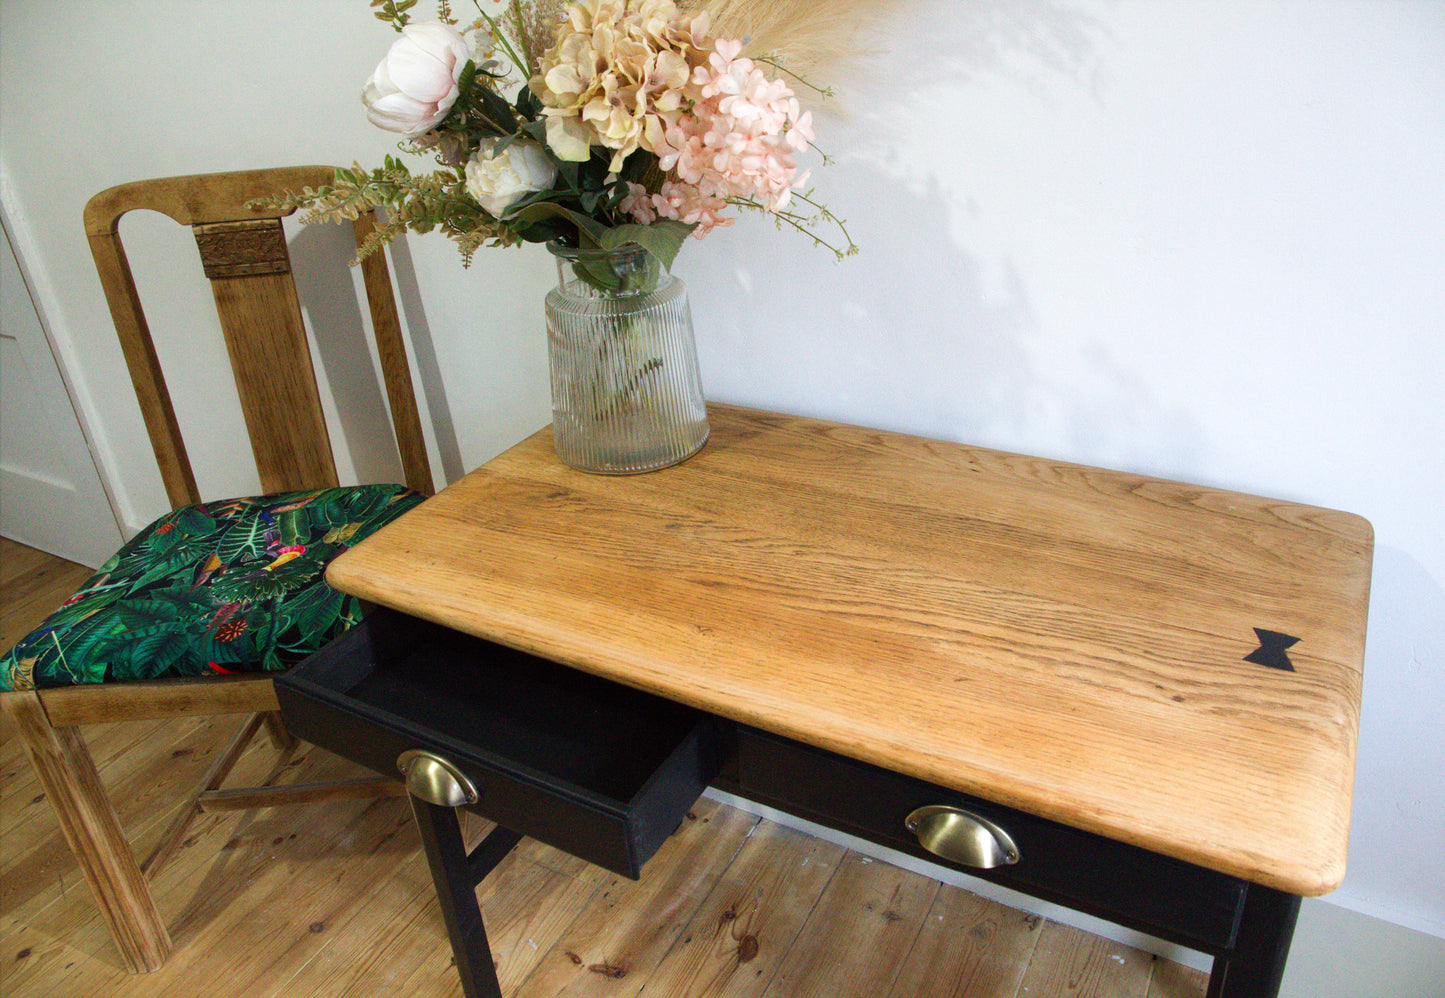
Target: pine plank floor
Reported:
[(332, 901)]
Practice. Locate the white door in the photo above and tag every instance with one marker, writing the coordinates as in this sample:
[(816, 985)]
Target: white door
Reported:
[(51, 495)]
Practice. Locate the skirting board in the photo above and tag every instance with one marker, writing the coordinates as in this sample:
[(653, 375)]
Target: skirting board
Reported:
[(1340, 953)]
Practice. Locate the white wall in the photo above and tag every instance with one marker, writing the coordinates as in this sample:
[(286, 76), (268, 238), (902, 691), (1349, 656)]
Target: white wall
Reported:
[(1199, 240)]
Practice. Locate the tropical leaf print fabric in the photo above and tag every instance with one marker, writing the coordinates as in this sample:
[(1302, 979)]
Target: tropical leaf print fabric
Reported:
[(230, 586)]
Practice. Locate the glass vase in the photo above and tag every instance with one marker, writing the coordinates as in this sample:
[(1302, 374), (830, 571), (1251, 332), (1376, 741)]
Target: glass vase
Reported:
[(626, 390)]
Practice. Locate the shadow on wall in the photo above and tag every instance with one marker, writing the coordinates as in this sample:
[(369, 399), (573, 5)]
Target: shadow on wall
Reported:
[(343, 351), (904, 332), (965, 330), (905, 45), (918, 333), (429, 373), (932, 328), (1021, 39), (334, 318)]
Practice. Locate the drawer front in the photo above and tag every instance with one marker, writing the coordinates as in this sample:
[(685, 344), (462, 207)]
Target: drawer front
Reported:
[(1122, 883), (546, 747)]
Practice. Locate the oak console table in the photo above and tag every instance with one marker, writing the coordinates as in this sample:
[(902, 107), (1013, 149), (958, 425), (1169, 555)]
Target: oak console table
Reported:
[(1134, 697)]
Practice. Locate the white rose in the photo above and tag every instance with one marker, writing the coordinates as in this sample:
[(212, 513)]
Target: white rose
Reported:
[(498, 181), (415, 86)]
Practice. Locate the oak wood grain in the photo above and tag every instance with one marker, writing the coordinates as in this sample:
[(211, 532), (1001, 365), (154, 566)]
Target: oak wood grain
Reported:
[(1061, 639), (275, 381), (240, 694)]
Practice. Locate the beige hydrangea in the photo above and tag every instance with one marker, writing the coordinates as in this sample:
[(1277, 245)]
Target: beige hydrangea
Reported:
[(615, 72)]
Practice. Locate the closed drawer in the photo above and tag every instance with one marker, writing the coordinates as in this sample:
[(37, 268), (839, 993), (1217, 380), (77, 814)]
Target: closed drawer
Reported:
[(597, 769), (1123, 883)]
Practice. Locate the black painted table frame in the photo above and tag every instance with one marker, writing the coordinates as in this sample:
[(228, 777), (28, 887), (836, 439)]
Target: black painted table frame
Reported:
[(456, 873), (1246, 927)]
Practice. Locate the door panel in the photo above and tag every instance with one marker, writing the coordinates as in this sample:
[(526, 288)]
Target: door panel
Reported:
[(51, 495)]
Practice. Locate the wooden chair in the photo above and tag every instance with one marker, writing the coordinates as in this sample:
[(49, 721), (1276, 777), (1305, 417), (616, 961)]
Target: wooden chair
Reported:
[(244, 254)]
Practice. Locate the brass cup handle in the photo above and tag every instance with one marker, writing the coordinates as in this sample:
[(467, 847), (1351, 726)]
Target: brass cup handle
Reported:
[(962, 837), (436, 780)]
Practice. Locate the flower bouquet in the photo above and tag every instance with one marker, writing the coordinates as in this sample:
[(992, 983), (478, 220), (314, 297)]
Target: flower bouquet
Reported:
[(592, 125), (609, 130)]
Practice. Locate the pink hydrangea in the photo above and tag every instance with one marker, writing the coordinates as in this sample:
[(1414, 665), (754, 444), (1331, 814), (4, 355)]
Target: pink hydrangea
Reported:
[(740, 137), (678, 201), (638, 204), (689, 204)]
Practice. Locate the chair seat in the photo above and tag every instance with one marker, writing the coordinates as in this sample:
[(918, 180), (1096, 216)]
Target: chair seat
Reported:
[(217, 588)]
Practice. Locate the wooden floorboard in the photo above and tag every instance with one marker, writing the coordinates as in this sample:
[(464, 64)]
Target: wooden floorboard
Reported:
[(326, 901), (737, 939), (32, 584)]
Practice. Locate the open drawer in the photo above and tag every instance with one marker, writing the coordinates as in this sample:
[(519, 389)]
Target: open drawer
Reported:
[(589, 766)]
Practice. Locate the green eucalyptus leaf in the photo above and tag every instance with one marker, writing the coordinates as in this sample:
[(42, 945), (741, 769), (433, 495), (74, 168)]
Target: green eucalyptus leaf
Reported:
[(468, 74), (497, 112), (568, 173), (552, 230), (529, 106), (589, 230), (663, 238)]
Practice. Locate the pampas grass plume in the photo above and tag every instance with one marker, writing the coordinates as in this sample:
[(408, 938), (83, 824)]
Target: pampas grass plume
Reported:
[(805, 37)]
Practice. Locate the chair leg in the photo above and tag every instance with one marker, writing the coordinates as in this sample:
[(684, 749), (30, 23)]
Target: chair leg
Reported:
[(281, 739), (69, 777)]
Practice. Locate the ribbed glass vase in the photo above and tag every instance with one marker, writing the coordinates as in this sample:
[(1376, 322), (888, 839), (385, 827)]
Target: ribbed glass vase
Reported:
[(626, 391)]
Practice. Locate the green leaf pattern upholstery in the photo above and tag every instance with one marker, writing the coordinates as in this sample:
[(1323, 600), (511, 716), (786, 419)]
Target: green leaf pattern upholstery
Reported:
[(223, 587)]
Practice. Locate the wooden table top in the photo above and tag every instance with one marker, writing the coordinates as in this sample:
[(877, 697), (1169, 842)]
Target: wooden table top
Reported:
[(1068, 641)]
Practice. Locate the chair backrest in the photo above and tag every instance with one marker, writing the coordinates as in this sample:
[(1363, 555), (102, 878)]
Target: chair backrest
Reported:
[(243, 252)]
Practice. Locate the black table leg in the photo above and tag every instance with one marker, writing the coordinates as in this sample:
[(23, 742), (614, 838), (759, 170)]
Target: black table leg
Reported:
[(455, 876), (1255, 967)]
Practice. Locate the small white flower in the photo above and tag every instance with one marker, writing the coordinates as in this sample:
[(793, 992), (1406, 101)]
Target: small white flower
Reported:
[(498, 181), (480, 40), (482, 44)]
